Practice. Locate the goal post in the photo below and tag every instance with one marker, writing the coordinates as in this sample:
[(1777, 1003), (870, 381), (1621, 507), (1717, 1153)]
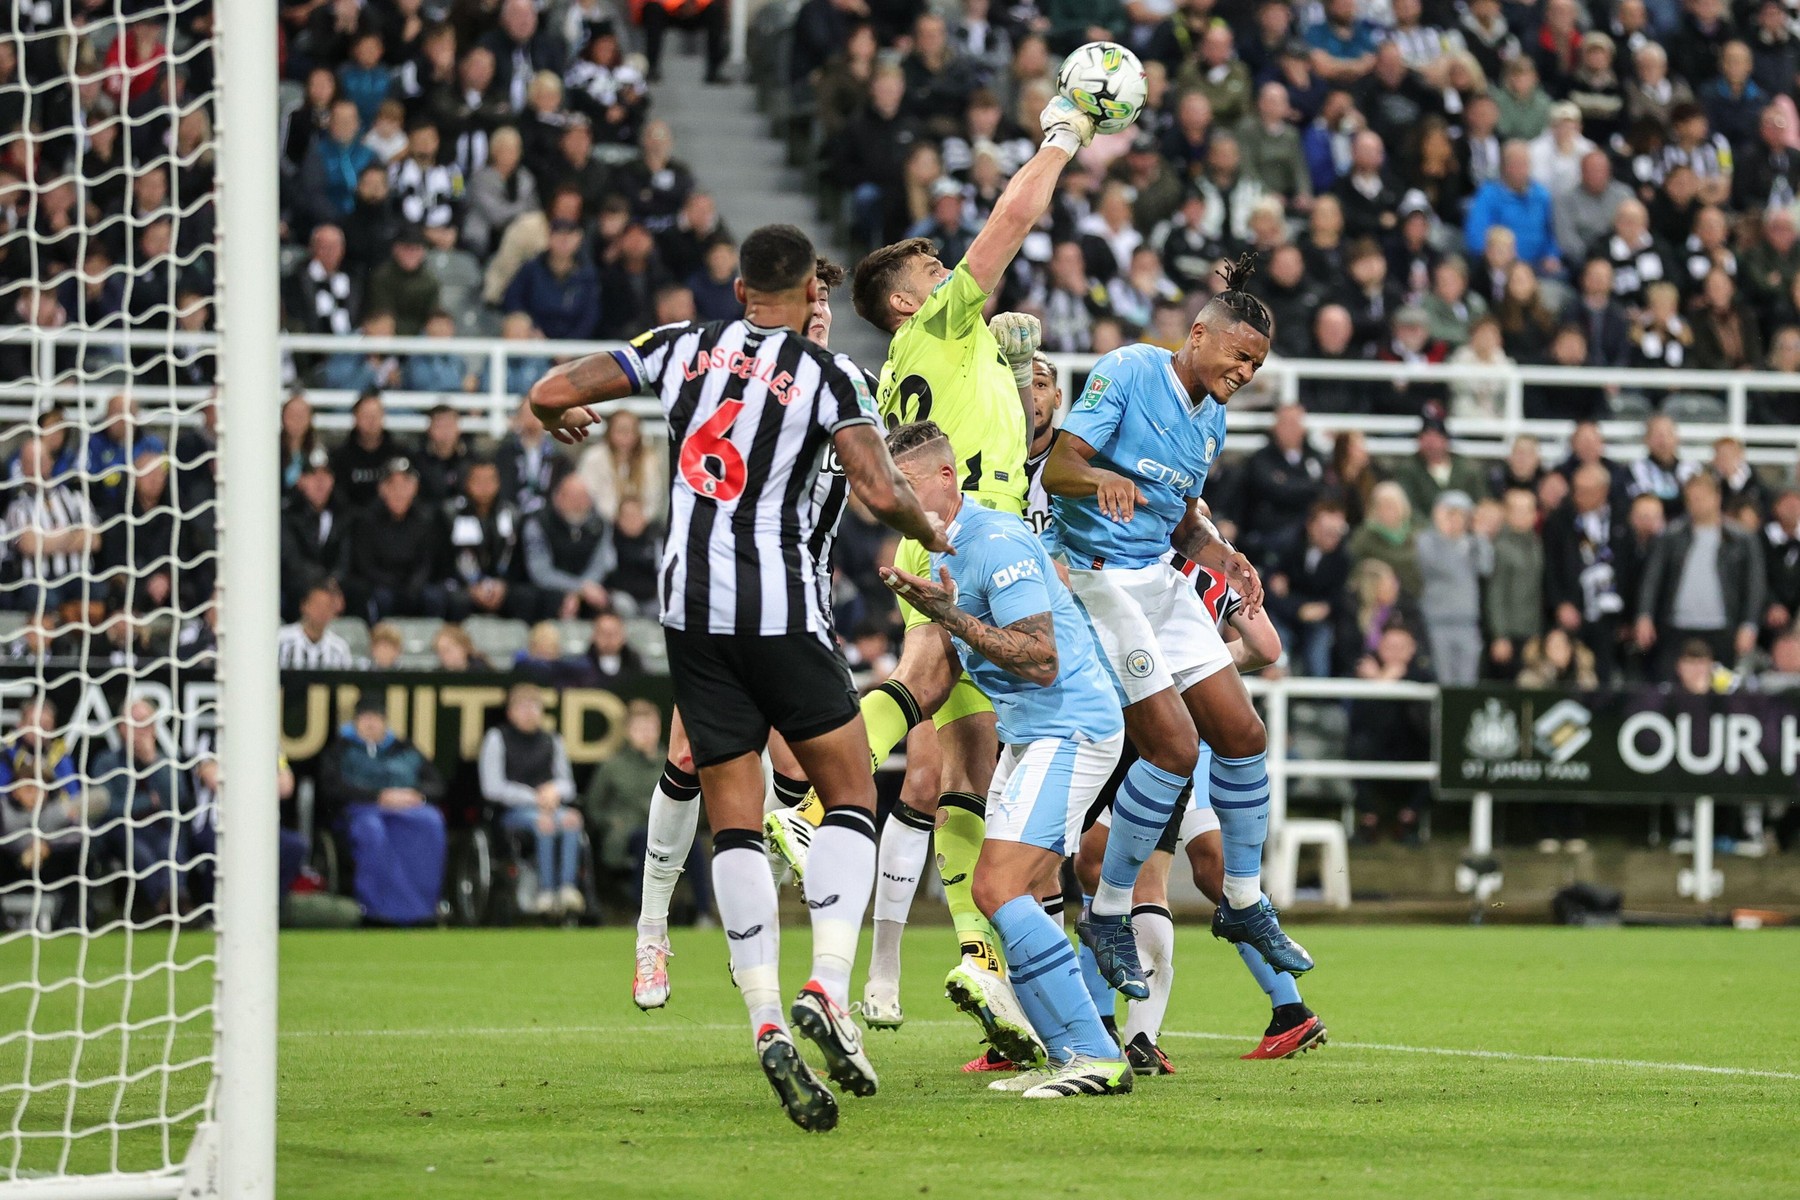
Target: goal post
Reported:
[(139, 591)]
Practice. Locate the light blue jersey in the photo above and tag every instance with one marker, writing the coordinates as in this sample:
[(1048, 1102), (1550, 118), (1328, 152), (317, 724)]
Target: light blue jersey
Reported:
[(1142, 425), (1003, 574)]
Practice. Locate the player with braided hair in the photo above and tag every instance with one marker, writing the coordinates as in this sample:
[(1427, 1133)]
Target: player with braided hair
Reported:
[(1125, 476)]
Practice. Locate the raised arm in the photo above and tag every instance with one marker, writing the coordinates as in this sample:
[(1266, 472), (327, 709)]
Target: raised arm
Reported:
[(1026, 647), (877, 482), (1198, 538), (1027, 197), (1068, 472), (560, 399)]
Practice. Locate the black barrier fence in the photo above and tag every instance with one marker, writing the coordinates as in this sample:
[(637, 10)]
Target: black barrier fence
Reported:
[(443, 713), (1624, 746)]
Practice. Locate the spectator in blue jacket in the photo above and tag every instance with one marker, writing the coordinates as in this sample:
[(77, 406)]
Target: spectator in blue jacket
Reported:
[(1520, 205), (1734, 102), (365, 80), (384, 792), (445, 372), (337, 159), (559, 289)]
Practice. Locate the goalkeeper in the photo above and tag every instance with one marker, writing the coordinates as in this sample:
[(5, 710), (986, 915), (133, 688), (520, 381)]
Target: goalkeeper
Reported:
[(945, 365)]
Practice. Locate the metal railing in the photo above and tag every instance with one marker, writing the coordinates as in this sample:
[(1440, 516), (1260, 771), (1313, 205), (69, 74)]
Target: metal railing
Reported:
[(491, 408)]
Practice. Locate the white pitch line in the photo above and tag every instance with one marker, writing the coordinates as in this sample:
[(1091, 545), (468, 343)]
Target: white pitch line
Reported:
[(1630, 1064), (1634, 1064)]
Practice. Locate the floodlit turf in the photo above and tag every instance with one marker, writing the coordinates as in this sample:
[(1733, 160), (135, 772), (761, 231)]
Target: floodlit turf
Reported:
[(511, 1063)]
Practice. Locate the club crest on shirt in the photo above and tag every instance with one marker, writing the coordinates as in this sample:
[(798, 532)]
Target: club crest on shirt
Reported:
[(1139, 664), (1212, 448)]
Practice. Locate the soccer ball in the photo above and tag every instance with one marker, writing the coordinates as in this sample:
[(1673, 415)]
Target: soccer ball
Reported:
[(1105, 81)]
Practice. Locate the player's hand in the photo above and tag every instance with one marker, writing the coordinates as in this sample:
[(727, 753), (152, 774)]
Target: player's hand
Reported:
[(939, 541), (569, 425), (1240, 574), (1062, 122), (1018, 336), (1118, 496), (932, 599)]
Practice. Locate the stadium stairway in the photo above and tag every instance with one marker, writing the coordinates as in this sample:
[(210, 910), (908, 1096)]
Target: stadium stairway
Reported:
[(726, 142)]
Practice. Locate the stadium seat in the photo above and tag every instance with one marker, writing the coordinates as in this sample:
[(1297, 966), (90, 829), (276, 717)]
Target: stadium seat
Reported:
[(497, 639), (355, 632), (575, 635), (1284, 860), (1699, 408), (11, 622), (455, 269), (416, 633)]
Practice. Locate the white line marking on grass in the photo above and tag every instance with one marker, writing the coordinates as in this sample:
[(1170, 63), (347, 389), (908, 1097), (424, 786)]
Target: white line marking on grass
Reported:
[(1633, 1064), (1630, 1064)]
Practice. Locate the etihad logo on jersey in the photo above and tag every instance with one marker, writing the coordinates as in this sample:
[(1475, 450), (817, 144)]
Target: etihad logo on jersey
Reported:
[(1027, 568), (780, 383), (1150, 469)]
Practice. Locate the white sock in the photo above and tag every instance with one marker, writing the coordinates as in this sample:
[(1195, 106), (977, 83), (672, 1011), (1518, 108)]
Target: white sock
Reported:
[(746, 900), (884, 957), (900, 859), (1110, 901), (1155, 930), (840, 874), (1056, 909), (1243, 891), (669, 836)]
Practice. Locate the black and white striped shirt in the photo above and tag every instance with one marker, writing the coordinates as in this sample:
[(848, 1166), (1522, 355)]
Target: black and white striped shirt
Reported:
[(752, 413), (47, 509), (293, 649)]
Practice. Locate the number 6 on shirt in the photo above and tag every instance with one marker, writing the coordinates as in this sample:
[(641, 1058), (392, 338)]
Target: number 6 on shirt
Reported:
[(709, 461)]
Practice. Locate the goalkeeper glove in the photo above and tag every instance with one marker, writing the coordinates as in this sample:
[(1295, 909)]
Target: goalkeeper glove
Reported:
[(1017, 335), (1065, 126)]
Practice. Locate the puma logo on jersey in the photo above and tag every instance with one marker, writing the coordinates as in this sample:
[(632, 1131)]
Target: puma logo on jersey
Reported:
[(1151, 469), (1005, 577)]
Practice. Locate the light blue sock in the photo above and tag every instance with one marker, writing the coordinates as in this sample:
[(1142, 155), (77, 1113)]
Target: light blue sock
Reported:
[(1044, 973), (1279, 987), (1141, 810), (1240, 795)]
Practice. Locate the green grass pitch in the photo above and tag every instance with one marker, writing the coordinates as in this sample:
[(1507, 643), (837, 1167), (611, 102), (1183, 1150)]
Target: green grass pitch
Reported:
[(1504, 1062)]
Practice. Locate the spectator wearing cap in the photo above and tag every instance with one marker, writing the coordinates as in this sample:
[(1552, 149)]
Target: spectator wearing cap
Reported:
[(312, 532), (1157, 190), (1188, 252), (560, 288), (443, 455), (946, 224), (1704, 580), (1453, 560), (1269, 145), (361, 462), (1412, 345), (391, 552), (1597, 91), (383, 792), (1519, 204), (1433, 468), (1557, 152), (1582, 216), (1411, 252), (404, 286), (1367, 192)]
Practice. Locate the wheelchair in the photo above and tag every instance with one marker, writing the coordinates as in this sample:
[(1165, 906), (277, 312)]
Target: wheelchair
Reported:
[(493, 879)]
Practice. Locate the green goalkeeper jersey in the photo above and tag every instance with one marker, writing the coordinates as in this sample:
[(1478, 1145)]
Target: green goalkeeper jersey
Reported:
[(944, 366)]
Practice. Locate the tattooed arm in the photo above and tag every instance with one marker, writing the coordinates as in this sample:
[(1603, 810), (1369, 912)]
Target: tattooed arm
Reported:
[(1198, 539), (560, 399), (1026, 648)]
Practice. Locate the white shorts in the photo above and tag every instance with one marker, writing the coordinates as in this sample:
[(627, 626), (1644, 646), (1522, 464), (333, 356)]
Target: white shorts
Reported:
[(1152, 627), (1043, 789)]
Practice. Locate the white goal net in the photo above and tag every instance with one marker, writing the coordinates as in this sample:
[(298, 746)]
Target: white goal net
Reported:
[(129, 928)]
